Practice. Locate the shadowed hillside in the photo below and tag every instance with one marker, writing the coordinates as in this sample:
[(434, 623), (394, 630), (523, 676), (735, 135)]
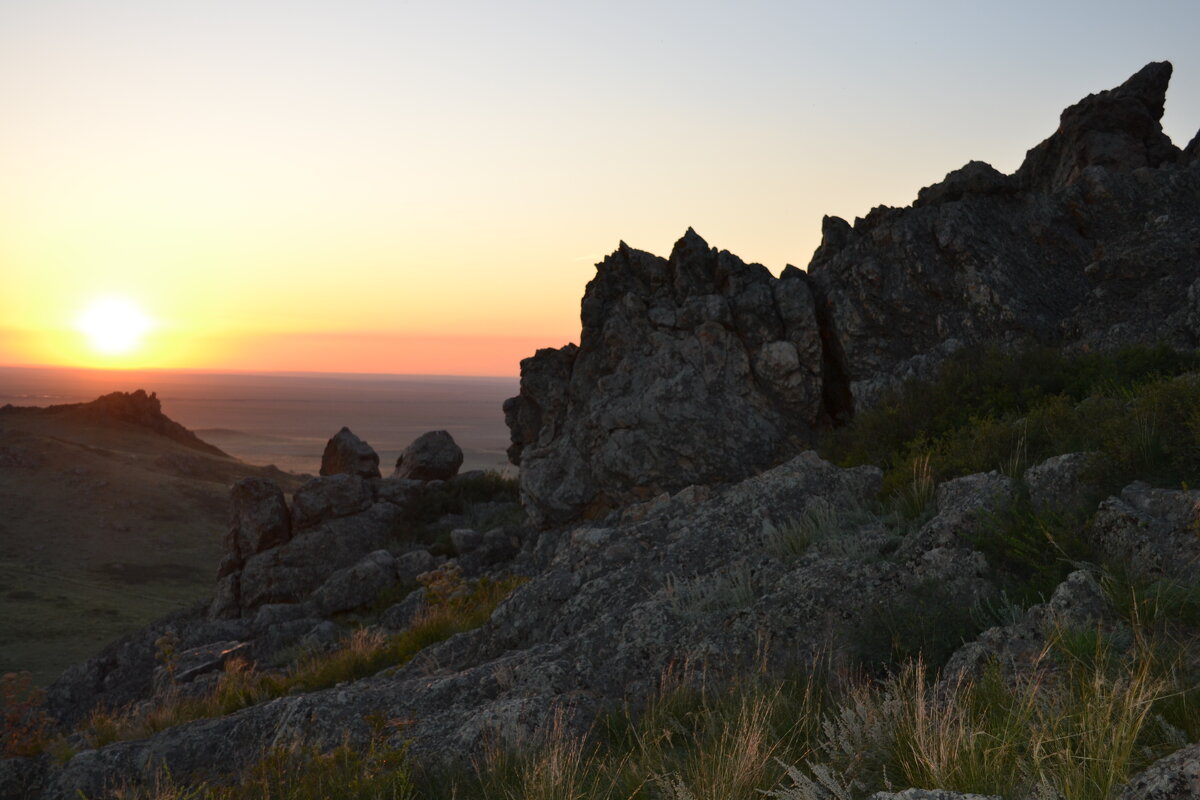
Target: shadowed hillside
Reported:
[(112, 515)]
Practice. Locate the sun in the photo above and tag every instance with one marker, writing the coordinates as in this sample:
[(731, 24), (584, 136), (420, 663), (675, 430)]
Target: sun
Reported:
[(113, 325)]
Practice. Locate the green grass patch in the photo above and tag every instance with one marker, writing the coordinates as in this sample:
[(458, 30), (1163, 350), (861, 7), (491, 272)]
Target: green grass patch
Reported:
[(990, 410)]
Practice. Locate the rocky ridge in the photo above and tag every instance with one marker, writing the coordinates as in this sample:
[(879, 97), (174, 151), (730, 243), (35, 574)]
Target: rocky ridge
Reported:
[(698, 367)]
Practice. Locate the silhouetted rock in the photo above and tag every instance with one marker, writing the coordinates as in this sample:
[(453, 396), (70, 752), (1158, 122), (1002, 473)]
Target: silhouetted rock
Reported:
[(432, 456), (693, 369), (346, 453), (1117, 129), (128, 408)]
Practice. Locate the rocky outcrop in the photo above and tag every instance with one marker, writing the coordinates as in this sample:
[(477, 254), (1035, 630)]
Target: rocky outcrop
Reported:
[(700, 368), (1098, 221), (693, 369), (687, 581), (433, 456), (124, 408), (347, 454)]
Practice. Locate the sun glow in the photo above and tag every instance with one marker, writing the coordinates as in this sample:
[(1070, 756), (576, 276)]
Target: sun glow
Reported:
[(113, 326)]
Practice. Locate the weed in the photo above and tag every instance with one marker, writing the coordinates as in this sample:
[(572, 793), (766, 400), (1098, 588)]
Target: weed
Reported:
[(25, 724)]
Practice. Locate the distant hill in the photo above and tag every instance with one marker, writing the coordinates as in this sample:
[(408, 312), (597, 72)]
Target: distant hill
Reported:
[(111, 514)]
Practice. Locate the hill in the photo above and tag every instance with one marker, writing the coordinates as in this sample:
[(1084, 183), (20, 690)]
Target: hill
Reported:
[(113, 515)]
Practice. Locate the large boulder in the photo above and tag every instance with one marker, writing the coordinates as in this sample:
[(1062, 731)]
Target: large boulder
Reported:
[(345, 453), (432, 456), (694, 369)]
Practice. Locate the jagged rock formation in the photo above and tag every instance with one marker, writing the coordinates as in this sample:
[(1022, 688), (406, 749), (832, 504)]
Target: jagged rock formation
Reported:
[(692, 369), (348, 454), (129, 408), (432, 456), (699, 368), (1093, 242)]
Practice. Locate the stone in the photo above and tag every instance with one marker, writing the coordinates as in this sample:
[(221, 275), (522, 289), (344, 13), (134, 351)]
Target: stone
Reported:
[(432, 456), (197, 661), (259, 518), (347, 454), (1176, 777), (328, 498), (357, 585), (1152, 531), (1057, 484)]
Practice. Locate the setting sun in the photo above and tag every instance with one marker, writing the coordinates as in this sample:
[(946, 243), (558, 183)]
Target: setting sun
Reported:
[(113, 325)]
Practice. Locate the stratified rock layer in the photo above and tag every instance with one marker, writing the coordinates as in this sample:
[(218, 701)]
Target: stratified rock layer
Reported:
[(699, 368)]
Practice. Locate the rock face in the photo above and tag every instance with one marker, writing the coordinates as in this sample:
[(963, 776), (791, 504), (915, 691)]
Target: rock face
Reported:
[(699, 368), (432, 456), (1098, 221), (692, 369), (346, 453)]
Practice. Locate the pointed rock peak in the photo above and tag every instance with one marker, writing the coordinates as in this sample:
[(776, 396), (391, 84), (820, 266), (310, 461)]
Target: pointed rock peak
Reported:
[(1117, 129), (690, 244), (1149, 85)]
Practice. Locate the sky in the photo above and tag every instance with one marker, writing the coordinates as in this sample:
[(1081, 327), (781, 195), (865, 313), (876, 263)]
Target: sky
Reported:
[(399, 187)]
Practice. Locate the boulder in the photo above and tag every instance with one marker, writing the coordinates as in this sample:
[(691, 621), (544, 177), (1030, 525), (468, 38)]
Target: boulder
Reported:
[(1176, 777), (1153, 531), (432, 456), (1057, 484), (347, 454)]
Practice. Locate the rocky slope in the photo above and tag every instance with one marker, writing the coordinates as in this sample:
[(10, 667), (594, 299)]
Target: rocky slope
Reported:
[(678, 523)]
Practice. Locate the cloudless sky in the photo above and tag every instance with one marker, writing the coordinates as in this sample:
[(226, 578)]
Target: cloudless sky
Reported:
[(425, 187)]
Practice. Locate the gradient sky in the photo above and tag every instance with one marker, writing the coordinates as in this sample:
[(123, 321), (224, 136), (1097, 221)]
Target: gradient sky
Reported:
[(425, 187)]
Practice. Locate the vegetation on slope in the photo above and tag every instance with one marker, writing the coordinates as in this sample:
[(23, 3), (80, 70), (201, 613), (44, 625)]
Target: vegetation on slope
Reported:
[(1095, 707)]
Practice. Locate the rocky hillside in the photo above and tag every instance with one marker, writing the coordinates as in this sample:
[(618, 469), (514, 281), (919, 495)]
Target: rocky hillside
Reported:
[(111, 517), (691, 602)]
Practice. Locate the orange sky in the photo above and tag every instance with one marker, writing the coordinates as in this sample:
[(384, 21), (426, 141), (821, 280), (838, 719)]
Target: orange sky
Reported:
[(381, 187)]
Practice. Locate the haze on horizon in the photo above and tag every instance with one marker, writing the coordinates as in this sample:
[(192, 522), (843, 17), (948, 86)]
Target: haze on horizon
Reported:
[(398, 188)]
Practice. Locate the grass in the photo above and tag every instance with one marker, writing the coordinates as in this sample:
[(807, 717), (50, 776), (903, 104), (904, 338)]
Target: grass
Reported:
[(454, 606), (378, 773), (991, 410)]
